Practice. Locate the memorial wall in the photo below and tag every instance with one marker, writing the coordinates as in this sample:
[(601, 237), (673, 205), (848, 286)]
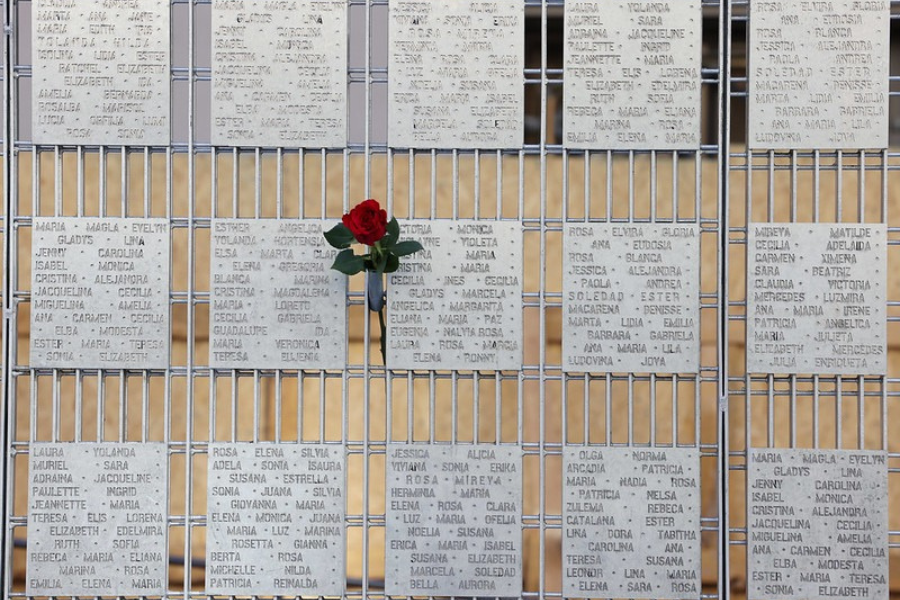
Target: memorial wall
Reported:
[(548, 411)]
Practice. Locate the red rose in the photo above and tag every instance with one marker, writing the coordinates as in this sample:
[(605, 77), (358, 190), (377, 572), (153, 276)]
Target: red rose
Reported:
[(367, 221)]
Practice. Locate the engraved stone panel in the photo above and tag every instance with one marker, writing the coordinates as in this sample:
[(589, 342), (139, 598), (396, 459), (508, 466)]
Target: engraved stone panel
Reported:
[(275, 523), (632, 74), (275, 303), (279, 75), (453, 520), (817, 524), (100, 293), (816, 298), (631, 298), (818, 74), (101, 72), (456, 74), (458, 303), (97, 523), (631, 522)]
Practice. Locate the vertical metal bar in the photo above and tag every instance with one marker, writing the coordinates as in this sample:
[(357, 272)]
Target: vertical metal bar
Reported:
[(301, 182), (630, 186), (770, 407), (123, 180), (148, 179), (256, 409), (839, 185), (301, 401), (8, 411), (794, 181), (885, 221), (630, 397), (816, 186), (123, 407), (499, 176), (542, 476), (652, 407), (586, 408), (55, 414), (212, 406), (608, 409), (235, 183), (653, 186), (278, 375), (477, 184), (815, 411), (454, 408), (793, 408), (57, 182), (101, 407), (723, 160), (498, 399), (675, 436), (770, 194), (838, 416), (861, 381), (861, 413), (587, 183), (189, 374), (367, 374), (79, 403), (475, 406), (609, 185), (257, 178), (101, 188), (410, 407), (321, 438), (79, 181), (861, 193)]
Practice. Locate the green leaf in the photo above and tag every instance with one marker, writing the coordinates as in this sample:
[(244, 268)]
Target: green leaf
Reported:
[(391, 235), (406, 248), (339, 236), (348, 263), (393, 263)]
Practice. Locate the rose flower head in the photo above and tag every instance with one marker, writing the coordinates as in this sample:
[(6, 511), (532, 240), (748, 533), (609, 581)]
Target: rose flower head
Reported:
[(367, 221)]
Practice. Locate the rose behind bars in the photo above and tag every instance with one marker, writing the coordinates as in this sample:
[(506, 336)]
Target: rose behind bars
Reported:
[(367, 224), (367, 221)]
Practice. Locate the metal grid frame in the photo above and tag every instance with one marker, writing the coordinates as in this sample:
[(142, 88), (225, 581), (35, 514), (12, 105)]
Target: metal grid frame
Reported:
[(548, 406), (815, 186)]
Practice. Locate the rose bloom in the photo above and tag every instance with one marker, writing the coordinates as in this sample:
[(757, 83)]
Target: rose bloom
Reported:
[(367, 221)]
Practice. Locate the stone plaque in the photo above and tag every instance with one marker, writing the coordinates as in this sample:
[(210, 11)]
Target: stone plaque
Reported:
[(818, 74), (275, 523), (97, 523), (279, 73), (631, 523), (100, 293), (452, 520), (817, 524), (631, 298), (458, 303), (275, 303), (456, 74), (632, 74), (101, 72), (816, 298)]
